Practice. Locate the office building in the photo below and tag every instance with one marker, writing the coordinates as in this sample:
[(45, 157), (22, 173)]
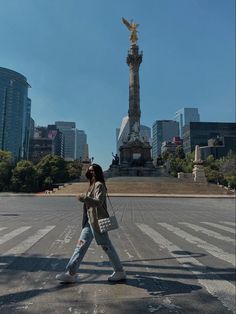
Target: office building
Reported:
[(163, 130), (46, 141), (32, 127), (218, 147), (81, 145), (15, 110), (198, 133), (39, 148), (57, 140), (171, 146), (68, 130), (184, 116), (75, 141)]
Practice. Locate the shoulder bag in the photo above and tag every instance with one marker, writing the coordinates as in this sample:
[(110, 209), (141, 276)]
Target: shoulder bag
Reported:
[(109, 223)]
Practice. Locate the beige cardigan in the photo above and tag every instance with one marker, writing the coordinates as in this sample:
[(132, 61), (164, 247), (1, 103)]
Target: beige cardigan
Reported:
[(95, 201)]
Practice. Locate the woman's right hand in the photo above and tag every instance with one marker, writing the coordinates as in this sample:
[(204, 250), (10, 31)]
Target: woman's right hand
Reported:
[(81, 197)]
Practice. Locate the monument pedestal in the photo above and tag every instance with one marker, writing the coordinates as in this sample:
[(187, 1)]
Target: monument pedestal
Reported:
[(199, 174), (135, 153), (135, 159)]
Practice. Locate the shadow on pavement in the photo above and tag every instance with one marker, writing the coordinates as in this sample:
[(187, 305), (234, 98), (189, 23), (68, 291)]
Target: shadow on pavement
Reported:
[(57, 264)]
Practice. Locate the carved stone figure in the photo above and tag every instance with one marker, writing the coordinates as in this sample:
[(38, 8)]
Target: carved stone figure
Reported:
[(116, 159)]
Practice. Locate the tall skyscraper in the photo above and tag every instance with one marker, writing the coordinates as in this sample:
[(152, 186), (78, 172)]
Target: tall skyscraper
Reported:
[(184, 116), (75, 141), (123, 132), (81, 145), (163, 130), (57, 140), (15, 110), (68, 129)]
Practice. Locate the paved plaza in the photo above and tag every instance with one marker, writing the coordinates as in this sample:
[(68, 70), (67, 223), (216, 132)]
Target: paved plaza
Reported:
[(179, 254)]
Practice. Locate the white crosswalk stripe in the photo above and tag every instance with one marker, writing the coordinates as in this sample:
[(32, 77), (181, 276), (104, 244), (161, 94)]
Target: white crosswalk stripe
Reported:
[(213, 283), (29, 242), (221, 289), (212, 249), (13, 234), (208, 232), (23, 246), (231, 230), (228, 223)]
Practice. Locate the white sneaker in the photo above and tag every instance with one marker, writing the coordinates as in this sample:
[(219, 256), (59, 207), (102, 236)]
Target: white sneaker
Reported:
[(117, 276), (67, 278)]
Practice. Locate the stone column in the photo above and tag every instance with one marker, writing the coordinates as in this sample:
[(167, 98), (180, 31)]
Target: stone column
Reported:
[(198, 169), (134, 60)]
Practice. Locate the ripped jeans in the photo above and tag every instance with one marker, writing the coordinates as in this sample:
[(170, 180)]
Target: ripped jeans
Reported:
[(86, 237)]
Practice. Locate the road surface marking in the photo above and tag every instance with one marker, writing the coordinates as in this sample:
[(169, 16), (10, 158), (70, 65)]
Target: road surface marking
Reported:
[(228, 223), (212, 249), (231, 230), (208, 232), (13, 234), (215, 285), (23, 246), (3, 228)]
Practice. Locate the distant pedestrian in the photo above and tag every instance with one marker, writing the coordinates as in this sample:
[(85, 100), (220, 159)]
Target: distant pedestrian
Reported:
[(95, 207)]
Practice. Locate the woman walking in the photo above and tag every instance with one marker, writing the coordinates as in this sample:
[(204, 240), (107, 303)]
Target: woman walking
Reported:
[(94, 208)]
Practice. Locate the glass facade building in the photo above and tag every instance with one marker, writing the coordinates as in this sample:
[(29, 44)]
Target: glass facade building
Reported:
[(184, 116), (75, 141), (163, 130), (15, 111), (68, 129), (81, 145), (198, 133)]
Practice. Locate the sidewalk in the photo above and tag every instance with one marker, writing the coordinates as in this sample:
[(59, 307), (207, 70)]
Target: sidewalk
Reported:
[(42, 194)]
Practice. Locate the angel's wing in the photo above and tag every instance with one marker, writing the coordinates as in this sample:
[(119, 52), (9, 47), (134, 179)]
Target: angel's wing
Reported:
[(126, 23)]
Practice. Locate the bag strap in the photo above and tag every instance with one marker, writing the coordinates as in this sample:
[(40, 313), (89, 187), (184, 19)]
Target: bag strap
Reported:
[(111, 204)]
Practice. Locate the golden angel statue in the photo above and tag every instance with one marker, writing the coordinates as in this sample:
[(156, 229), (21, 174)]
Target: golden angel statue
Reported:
[(133, 28)]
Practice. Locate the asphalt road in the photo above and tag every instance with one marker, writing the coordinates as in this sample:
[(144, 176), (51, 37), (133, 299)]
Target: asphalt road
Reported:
[(179, 255)]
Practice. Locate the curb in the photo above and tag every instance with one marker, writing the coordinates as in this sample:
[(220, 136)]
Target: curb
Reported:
[(121, 195)]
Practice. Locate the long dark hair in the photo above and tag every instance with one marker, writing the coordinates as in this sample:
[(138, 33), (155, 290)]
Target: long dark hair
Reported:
[(98, 173)]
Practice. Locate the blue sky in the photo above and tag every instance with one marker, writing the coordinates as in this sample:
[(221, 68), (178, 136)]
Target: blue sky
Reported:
[(73, 54)]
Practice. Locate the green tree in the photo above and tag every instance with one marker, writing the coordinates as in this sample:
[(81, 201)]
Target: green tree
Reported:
[(74, 169), (165, 156), (5, 156), (227, 169), (51, 169), (6, 167), (5, 175), (176, 165), (24, 177), (179, 152), (178, 162), (212, 175)]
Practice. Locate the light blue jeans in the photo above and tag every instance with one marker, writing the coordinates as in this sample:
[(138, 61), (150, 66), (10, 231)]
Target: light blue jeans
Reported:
[(86, 237)]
